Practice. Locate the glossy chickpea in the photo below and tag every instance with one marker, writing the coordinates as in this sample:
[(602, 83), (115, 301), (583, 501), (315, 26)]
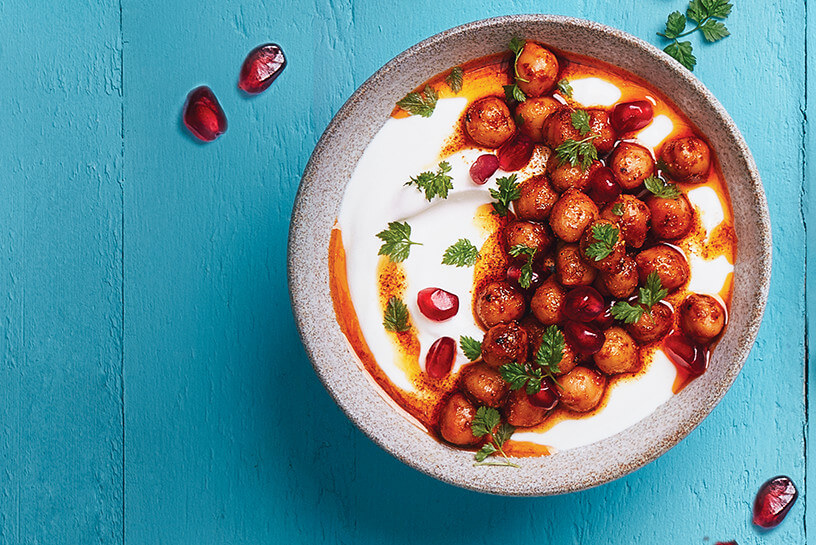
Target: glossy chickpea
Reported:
[(702, 317), (456, 419), (631, 164), (532, 113), (504, 343), (571, 268), (547, 302), (484, 385), (519, 412), (564, 176), (537, 70), (536, 199), (669, 264), (687, 159), (529, 234), (498, 302), (582, 389), (489, 123), (571, 214), (622, 280), (633, 217), (653, 325), (609, 262), (619, 354), (671, 218), (558, 128), (599, 125)]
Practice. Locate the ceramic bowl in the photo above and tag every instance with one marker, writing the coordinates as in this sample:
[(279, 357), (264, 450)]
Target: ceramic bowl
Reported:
[(318, 201)]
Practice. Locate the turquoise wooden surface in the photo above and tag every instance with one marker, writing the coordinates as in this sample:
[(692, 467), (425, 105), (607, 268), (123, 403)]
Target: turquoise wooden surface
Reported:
[(153, 386)]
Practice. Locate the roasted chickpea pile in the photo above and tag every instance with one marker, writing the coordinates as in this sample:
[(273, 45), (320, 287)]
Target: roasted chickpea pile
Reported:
[(596, 236)]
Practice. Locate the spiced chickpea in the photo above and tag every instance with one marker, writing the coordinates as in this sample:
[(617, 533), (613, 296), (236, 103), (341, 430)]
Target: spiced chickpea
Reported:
[(599, 125), (564, 176), (504, 343), (529, 234), (582, 389), (702, 317), (498, 302), (671, 218), (520, 413), (669, 264), (571, 214), (687, 159), (536, 199), (622, 280), (548, 301), (489, 123), (590, 236), (633, 218), (558, 128), (619, 354), (571, 268), (537, 70), (456, 419), (532, 113), (484, 385), (631, 164), (653, 325)]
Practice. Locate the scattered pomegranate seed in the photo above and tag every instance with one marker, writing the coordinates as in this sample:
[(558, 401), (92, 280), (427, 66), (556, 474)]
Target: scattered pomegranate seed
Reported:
[(440, 357), (773, 501), (484, 167), (546, 397), (515, 153), (602, 186), (514, 274), (586, 339), (604, 320), (686, 356), (583, 304), (437, 304), (202, 114), (631, 116), (261, 67)]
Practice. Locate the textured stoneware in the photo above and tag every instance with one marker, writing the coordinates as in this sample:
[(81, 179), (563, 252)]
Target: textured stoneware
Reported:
[(318, 202)]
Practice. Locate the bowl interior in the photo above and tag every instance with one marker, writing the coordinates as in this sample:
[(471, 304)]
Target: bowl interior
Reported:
[(317, 205)]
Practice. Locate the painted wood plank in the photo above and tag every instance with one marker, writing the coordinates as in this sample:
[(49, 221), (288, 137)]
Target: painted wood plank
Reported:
[(60, 273)]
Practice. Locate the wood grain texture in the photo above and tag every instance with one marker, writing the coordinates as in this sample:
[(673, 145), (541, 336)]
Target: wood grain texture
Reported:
[(129, 246)]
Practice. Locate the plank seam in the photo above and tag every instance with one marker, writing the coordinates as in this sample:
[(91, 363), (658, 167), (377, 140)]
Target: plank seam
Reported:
[(803, 205), (122, 254)]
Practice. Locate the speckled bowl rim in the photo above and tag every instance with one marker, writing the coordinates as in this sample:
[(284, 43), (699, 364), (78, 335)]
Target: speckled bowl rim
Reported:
[(363, 402)]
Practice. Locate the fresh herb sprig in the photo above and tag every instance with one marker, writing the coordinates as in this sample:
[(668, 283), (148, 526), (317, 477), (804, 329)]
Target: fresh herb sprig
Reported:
[(617, 209), (513, 92), (455, 78), (396, 241), (545, 363), (578, 152), (661, 188), (705, 15), (434, 184), (526, 276), (470, 347), (565, 88), (395, 317), (580, 120), (508, 191), (648, 296), (486, 420), (462, 253), (422, 103), (605, 236)]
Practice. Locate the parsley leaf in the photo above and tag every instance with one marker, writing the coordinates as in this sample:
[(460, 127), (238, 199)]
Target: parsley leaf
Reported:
[(512, 92), (422, 103), (714, 30), (661, 188), (526, 277), (461, 254), (627, 312), (396, 241), (508, 191), (675, 25), (605, 236), (551, 351), (565, 88), (617, 209), (682, 52), (395, 317), (486, 420), (580, 120), (517, 375), (653, 291), (702, 12), (454, 79), (516, 45), (486, 450), (434, 184), (581, 152), (471, 347)]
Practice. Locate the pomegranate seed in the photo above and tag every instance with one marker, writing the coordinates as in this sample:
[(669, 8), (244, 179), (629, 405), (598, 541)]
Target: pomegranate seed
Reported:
[(261, 67), (437, 304), (602, 186), (546, 397), (631, 116), (484, 167), (440, 357), (202, 114), (773, 501), (604, 320), (514, 274), (686, 356), (583, 304), (586, 339), (515, 153)]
